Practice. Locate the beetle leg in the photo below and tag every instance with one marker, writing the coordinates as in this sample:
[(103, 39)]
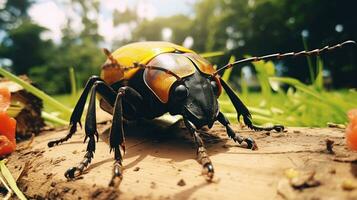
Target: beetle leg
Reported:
[(77, 112), (116, 137), (91, 126), (235, 136), (91, 132), (241, 109), (202, 156)]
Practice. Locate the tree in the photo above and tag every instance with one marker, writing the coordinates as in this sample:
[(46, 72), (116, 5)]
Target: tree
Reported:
[(267, 26), (21, 42), (24, 47), (78, 50)]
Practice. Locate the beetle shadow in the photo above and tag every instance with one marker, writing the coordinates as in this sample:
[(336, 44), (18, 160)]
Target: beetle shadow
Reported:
[(159, 139)]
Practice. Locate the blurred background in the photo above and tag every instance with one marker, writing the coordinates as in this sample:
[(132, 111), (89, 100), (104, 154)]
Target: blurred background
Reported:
[(45, 39)]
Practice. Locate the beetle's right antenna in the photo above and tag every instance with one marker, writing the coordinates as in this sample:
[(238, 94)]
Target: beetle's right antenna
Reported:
[(284, 55)]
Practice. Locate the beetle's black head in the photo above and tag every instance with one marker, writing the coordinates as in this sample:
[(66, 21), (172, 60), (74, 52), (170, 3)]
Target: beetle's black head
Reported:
[(195, 98)]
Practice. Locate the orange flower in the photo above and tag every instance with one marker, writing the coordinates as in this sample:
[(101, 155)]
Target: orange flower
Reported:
[(7, 124), (351, 130)]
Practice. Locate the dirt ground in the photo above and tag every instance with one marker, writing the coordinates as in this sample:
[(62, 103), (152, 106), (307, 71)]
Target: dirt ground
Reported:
[(160, 164)]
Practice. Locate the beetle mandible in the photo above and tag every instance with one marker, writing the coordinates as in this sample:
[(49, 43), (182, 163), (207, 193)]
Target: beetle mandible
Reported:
[(146, 80)]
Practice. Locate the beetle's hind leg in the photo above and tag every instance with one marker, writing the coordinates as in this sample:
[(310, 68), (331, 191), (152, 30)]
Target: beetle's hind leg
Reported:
[(235, 136), (241, 109), (91, 126), (77, 112), (202, 156)]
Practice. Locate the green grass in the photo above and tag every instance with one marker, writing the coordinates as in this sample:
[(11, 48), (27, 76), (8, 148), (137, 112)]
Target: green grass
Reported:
[(300, 105)]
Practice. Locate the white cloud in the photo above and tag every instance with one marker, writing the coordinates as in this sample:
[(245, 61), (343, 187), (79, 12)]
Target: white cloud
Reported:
[(111, 5), (50, 16), (146, 10), (166, 34), (188, 42), (3, 4), (111, 33), (54, 15)]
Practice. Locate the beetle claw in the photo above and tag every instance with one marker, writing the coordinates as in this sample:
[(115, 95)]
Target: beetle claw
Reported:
[(208, 171), (70, 173), (251, 143), (279, 128)]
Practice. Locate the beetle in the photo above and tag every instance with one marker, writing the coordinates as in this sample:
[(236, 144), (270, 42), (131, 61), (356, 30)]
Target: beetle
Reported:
[(144, 80)]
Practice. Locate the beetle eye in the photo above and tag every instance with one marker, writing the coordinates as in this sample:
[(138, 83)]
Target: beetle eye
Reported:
[(181, 92), (214, 87)]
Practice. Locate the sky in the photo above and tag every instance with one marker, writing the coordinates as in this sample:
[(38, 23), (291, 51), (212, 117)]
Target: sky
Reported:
[(54, 14)]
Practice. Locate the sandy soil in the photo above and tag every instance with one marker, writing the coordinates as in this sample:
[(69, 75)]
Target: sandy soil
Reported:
[(160, 164)]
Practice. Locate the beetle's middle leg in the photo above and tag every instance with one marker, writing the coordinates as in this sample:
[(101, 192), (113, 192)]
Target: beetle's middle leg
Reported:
[(202, 156), (235, 136)]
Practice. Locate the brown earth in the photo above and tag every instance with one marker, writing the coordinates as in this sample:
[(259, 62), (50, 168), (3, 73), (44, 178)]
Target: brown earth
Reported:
[(160, 164)]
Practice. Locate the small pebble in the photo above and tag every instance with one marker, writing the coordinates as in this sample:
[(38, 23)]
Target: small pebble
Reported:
[(153, 185), (181, 183), (332, 171), (53, 184), (349, 185), (136, 169), (66, 189)]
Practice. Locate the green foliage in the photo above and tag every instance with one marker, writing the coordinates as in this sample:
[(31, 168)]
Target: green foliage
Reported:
[(13, 12), (48, 101), (267, 26), (53, 77), (151, 30), (9, 180), (264, 71), (300, 105), (24, 47)]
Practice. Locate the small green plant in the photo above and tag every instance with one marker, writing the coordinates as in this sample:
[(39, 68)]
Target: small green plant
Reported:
[(64, 111)]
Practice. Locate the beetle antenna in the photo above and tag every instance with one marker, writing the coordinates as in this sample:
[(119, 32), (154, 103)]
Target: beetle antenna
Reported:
[(143, 66), (284, 55), (109, 56)]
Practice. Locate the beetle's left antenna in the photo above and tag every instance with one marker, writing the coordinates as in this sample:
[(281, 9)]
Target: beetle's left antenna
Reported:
[(109, 56), (284, 55)]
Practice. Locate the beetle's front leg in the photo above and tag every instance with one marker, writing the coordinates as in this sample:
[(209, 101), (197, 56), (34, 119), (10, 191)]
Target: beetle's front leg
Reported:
[(91, 126), (235, 136), (116, 137), (241, 109), (91, 132), (77, 112), (202, 156)]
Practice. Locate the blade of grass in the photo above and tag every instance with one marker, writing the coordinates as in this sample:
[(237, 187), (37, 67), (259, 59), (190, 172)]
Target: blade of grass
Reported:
[(264, 71), (11, 181), (212, 54), (72, 79), (304, 88), (227, 72), (52, 118), (319, 82), (9, 191), (309, 62), (30, 88)]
